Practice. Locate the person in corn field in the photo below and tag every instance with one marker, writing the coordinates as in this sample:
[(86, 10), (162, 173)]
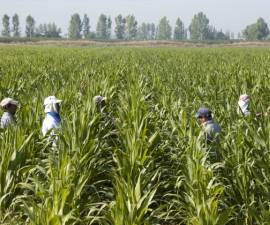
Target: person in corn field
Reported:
[(52, 119), (10, 107), (244, 106), (210, 127), (100, 102), (108, 123)]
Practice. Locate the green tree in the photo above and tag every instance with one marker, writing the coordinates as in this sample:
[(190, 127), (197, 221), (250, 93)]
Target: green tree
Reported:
[(147, 31), (52, 31), (41, 30), (199, 27), (213, 34), (131, 27), (86, 26), (30, 26), (101, 30), (164, 29), (75, 27), (120, 24), (15, 25), (257, 31), (179, 30), (109, 27), (142, 33), (152, 31), (6, 26), (49, 30)]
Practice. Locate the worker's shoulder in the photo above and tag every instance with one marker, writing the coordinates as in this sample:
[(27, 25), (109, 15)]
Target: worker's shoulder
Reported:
[(212, 126)]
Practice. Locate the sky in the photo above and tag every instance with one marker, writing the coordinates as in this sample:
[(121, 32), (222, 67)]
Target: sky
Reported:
[(231, 15)]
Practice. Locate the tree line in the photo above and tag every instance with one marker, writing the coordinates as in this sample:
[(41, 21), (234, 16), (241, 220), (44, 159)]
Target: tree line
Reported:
[(127, 28)]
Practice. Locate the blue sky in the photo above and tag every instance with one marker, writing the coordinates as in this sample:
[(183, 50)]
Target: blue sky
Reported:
[(231, 15)]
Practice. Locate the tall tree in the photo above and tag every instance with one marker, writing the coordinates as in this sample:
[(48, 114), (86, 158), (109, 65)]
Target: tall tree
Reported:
[(15, 25), (212, 33), (30, 26), (75, 27), (142, 33), (256, 31), (101, 30), (147, 31), (131, 27), (120, 24), (6, 26), (52, 31), (152, 31), (199, 27), (164, 29), (86, 26), (41, 30), (179, 30), (109, 27), (232, 36)]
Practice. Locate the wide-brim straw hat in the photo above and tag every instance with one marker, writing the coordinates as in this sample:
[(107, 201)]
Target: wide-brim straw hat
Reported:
[(51, 100), (8, 101)]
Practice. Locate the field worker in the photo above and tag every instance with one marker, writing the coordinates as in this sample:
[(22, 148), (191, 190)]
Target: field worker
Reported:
[(211, 128), (10, 107), (100, 102), (52, 119), (243, 105)]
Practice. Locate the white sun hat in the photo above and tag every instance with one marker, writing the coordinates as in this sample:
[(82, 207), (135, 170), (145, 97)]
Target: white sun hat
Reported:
[(244, 97), (51, 100), (7, 101)]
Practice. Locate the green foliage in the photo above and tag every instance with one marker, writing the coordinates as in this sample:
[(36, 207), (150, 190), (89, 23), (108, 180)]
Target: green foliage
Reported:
[(144, 161), (120, 26), (75, 27), (103, 29), (164, 31), (179, 30), (131, 27), (199, 27), (86, 27), (49, 30), (15, 25), (30, 26), (6, 26), (257, 31)]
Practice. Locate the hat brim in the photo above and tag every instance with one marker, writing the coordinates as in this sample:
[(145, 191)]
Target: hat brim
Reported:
[(58, 101), (9, 103)]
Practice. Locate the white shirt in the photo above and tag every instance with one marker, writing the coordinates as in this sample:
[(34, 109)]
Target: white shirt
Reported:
[(211, 129), (49, 123), (6, 120), (243, 107)]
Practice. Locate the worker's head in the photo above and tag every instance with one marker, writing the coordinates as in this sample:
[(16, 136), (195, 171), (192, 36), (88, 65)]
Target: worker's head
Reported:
[(9, 105), (52, 104), (100, 102), (243, 104), (204, 115)]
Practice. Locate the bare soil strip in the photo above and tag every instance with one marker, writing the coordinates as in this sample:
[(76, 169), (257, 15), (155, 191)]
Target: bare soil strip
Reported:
[(180, 44)]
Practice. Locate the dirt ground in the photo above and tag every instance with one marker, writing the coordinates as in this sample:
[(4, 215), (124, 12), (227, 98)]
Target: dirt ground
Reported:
[(179, 44)]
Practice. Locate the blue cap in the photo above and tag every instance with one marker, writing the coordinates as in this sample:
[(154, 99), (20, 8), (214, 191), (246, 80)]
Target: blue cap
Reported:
[(203, 112)]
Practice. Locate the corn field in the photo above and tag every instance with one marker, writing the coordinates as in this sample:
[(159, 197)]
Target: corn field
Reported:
[(151, 165)]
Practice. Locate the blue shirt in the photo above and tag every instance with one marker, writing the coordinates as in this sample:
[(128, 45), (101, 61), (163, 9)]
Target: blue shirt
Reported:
[(212, 129)]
